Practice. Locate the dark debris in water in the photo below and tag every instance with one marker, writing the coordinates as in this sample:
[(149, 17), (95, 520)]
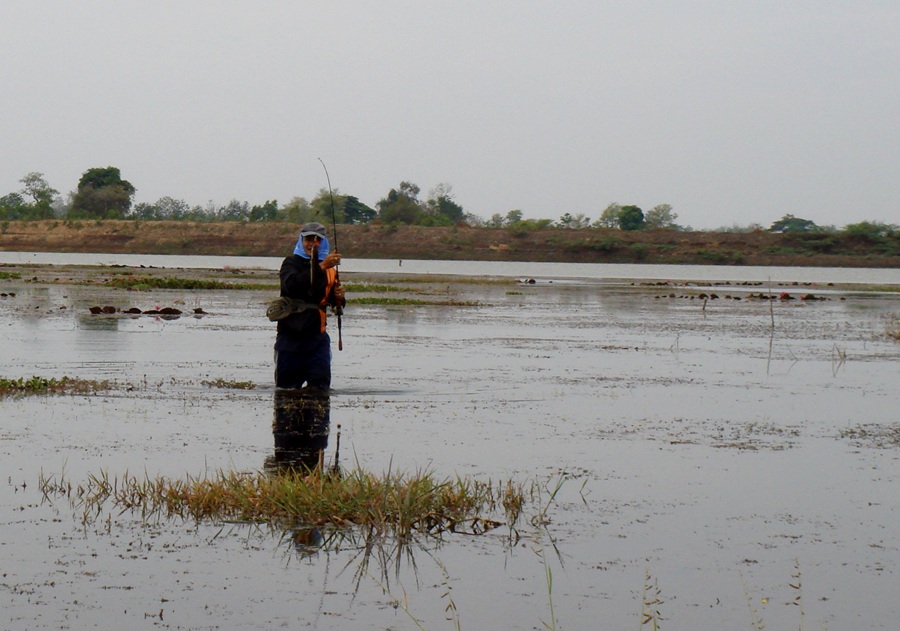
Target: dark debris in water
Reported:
[(134, 311)]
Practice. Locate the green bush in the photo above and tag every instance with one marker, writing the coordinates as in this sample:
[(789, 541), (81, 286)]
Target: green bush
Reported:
[(639, 250), (605, 245)]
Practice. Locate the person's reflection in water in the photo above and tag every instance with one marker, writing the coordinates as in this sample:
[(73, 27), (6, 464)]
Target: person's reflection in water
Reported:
[(300, 427)]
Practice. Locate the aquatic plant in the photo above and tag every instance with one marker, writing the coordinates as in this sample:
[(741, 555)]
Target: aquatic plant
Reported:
[(151, 282), (10, 276), (364, 287), (892, 327), (44, 385), (231, 385), (391, 504), (413, 302)]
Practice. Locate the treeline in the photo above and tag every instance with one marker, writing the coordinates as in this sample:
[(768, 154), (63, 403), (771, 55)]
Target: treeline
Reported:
[(103, 194)]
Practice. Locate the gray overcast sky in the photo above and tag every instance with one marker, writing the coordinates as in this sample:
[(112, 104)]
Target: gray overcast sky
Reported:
[(733, 112)]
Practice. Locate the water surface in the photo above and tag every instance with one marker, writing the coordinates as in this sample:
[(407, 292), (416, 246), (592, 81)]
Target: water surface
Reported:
[(721, 446)]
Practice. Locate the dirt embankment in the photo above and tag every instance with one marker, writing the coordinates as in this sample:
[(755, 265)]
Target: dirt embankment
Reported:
[(455, 243)]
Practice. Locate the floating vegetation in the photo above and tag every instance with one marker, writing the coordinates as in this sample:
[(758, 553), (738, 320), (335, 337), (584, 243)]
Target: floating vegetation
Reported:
[(10, 276), (171, 282), (413, 302), (364, 287), (892, 327), (878, 436), (43, 385), (392, 504), (231, 385)]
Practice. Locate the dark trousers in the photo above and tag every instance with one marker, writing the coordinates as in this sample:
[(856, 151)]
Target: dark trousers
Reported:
[(310, 365)]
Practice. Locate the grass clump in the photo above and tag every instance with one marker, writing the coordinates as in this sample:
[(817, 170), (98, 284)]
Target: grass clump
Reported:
[(229, 385), (387, 300), (43, 385), (136, 282), (391, 504), (364, 287), (892, 327), (10, 275)]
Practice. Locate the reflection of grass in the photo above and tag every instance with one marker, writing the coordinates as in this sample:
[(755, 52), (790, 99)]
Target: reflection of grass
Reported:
[(135, 282), (391, 504), (43, 385)]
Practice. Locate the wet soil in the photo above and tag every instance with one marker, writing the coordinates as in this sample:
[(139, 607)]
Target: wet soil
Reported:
[(740, 453)]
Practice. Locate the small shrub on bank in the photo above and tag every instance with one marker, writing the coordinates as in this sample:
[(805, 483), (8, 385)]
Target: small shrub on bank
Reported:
[(639, 251), (605, 245)]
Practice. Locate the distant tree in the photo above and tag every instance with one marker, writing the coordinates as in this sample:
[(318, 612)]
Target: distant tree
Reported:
[(660, 217), (496, 221), (296, 211), (871, 230), (631, 218), (789, 223), (410, 190), (513, 216), (440, 209), (264, 212), (321, 206), (357, 212), (401, 205), (143, 211), (573, 222), (42, 193), (234, 211), (41, 205), (13, 206), (738, 229), (609, 218), (102, 194), (164, 208), (471, 219)]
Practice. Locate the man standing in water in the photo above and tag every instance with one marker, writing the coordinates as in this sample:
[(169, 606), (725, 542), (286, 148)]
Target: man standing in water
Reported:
[(309, 280)]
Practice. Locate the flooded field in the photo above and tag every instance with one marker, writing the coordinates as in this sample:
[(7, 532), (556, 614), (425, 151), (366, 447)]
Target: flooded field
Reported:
[(734, 459)]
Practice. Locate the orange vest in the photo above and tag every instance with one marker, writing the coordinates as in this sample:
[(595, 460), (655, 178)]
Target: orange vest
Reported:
[(330, 281)]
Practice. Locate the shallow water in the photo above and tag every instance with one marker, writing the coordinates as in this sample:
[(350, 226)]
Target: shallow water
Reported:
[(699, 443)]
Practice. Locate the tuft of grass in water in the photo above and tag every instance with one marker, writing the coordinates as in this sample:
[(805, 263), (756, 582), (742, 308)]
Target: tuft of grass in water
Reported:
[(135, 282), (10, 276), (391, 504), (364, 287), (892, 327), (232, 385), (414, 302), (43, 385)]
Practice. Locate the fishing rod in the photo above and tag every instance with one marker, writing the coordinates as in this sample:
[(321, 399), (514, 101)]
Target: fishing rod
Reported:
[(338, 309)]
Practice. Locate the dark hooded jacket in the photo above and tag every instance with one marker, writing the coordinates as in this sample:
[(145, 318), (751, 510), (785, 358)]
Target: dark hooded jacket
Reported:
[(316, 288)]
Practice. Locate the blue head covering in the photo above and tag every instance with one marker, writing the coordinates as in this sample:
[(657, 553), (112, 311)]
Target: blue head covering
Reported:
[(317, 229)]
